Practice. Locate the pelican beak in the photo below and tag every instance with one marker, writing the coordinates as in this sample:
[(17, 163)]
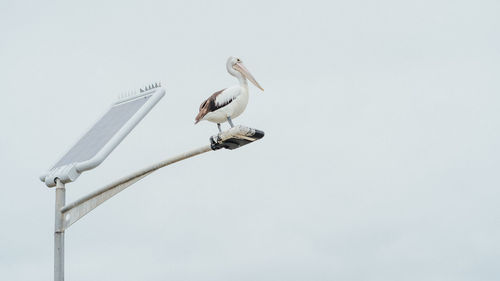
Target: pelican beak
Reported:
[(243, 70)]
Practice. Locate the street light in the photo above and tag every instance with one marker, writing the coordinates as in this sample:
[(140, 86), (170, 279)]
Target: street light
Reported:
[(98, 143)]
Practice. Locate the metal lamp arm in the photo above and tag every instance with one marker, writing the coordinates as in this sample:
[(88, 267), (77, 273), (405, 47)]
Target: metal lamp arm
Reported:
[(79, 208)]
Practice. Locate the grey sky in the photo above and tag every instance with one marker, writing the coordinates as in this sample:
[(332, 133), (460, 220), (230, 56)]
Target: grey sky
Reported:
[(380, 160)]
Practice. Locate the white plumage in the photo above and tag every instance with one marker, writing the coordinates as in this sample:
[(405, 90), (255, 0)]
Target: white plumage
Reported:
[(229, 103), (232, 102)]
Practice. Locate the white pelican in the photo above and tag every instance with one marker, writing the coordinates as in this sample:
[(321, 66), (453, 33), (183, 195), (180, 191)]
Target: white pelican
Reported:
[(228, 103)]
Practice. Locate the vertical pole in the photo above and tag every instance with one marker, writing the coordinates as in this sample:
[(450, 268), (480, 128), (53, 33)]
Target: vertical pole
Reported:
[(59, 232)]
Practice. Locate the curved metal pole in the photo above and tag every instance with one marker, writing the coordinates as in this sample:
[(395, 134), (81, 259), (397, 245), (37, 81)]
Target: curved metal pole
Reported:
[(76, 210)]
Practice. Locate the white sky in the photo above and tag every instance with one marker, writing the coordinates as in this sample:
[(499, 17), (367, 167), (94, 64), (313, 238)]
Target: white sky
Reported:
[(380, 160)]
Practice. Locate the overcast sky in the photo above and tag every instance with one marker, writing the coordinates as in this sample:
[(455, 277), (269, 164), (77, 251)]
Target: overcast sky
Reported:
[(380, 162)]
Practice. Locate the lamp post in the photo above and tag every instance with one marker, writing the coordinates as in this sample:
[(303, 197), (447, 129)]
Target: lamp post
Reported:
[(108, 132), (59, 232)]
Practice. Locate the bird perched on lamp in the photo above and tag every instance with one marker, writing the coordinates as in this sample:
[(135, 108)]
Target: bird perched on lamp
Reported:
[(229, 103)]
